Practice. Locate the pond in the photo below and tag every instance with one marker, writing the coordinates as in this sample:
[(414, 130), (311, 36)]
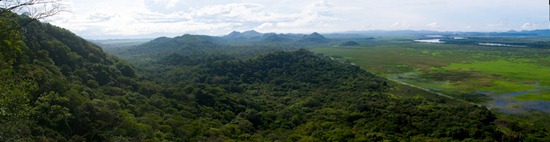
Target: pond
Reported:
[(501, 45), (429, 41), (507, 103)]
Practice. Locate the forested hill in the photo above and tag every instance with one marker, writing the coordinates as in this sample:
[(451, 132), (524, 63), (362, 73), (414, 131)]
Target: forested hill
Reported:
[(55, 86), (182, 41), (296, 95)]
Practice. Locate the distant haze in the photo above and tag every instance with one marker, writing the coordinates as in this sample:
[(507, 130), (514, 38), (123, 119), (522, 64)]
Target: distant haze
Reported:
[(104, 19)]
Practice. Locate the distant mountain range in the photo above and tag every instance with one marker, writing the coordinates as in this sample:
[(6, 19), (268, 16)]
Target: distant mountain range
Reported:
[(253, 35), (425, 32)]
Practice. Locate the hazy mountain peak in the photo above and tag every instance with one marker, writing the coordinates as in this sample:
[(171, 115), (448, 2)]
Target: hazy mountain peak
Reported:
[(314, 37)]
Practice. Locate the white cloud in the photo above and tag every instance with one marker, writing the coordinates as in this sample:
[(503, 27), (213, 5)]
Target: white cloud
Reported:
[(264, 26), (317, 14), (433, 25), (234, 12), (500, 26), (171, 3), (167, 3), (530, 26), (400, 26), (209, 19), (116, 19)]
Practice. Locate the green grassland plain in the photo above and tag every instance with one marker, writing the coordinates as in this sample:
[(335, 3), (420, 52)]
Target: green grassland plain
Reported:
[(453, 69)]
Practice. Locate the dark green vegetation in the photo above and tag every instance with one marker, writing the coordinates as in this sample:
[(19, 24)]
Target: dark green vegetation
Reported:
[(349, 43), (314, 38), (297, 95), (508, 79), (55, 86)]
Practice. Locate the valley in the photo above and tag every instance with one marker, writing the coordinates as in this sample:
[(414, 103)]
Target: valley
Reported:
[(494, 77), (501, 73)]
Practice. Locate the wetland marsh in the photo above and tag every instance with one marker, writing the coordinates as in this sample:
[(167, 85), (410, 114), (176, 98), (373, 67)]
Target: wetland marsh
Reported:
[(506, 78)]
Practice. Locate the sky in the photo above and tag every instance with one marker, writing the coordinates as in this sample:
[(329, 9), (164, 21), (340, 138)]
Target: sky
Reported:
[(119, 19)]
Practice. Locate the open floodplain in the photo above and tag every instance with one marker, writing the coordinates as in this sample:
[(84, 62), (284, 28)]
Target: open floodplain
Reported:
[(508, 75)]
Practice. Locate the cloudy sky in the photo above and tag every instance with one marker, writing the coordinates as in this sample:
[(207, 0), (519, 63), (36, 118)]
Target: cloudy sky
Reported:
[(103, 19)]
